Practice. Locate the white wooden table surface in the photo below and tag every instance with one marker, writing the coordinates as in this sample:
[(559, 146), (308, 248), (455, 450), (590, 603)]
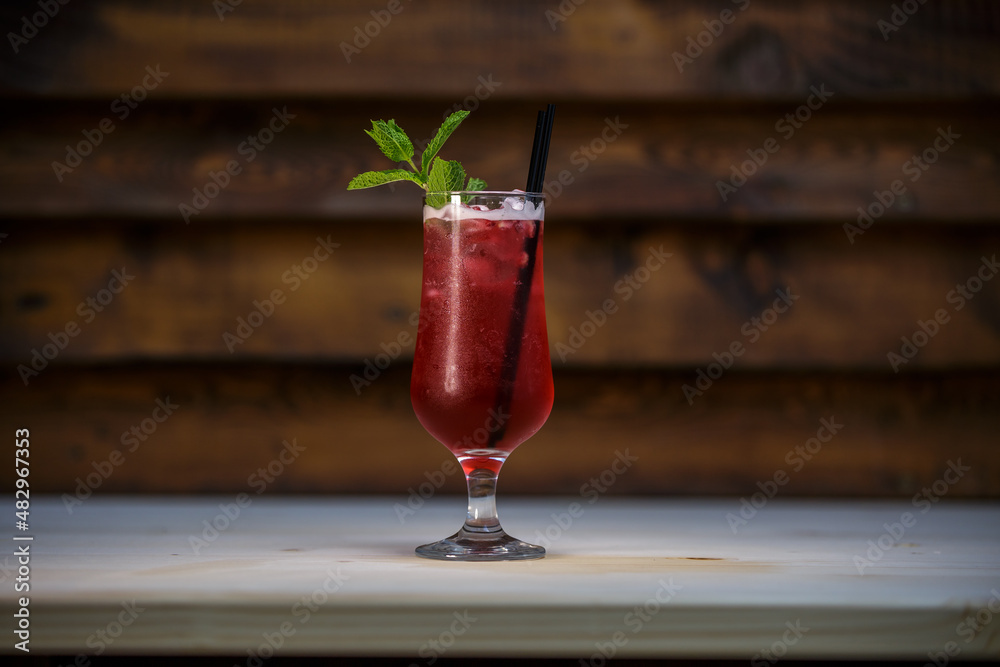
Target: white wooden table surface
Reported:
[(633, 578)]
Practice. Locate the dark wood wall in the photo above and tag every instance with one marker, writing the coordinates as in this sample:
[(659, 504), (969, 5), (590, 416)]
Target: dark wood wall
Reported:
[(658, 103)]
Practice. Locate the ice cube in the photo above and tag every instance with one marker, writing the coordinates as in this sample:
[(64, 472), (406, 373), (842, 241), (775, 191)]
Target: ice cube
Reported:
[(513, 203)]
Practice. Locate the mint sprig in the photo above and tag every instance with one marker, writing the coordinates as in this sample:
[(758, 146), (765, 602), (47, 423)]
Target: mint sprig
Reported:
[(446, 175), (370, 179), (432, 148), (392, 140), (434, 175)]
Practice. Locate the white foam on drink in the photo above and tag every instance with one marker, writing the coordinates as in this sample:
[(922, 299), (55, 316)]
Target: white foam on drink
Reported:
[(513, 209)]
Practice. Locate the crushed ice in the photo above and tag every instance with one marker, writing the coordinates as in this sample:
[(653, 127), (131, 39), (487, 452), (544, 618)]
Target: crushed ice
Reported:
[(513, 208)]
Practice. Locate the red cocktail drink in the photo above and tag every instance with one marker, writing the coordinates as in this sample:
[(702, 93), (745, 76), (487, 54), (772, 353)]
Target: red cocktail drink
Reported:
[(482, 376), (461, 370)]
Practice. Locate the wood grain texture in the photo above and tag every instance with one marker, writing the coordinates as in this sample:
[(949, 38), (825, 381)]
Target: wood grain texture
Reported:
[(898, 436), (340, 577), (603, 50), (608, 161), (193, 293)]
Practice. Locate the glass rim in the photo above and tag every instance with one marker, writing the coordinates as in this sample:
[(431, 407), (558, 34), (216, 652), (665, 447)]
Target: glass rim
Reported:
[(488, 193)]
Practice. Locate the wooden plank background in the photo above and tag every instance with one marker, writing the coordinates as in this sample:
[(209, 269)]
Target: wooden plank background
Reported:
[(674, 155), (898, 434), (637, 156), (606, 50)]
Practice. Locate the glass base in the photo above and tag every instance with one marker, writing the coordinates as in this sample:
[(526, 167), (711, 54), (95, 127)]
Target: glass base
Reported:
[(469, 545)]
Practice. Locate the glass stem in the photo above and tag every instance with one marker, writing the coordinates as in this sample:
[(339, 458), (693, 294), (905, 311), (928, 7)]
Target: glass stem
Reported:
[(482, 516)]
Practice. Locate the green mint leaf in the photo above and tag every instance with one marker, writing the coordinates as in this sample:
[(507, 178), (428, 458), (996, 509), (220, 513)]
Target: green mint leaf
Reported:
[(370, 179), (431, 150), (445, 176), (473, 184), (392, 140), (435, 173)]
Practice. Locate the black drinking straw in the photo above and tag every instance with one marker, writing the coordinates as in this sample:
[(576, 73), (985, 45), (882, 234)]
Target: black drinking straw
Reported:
[(540, 149), (522, 291)]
